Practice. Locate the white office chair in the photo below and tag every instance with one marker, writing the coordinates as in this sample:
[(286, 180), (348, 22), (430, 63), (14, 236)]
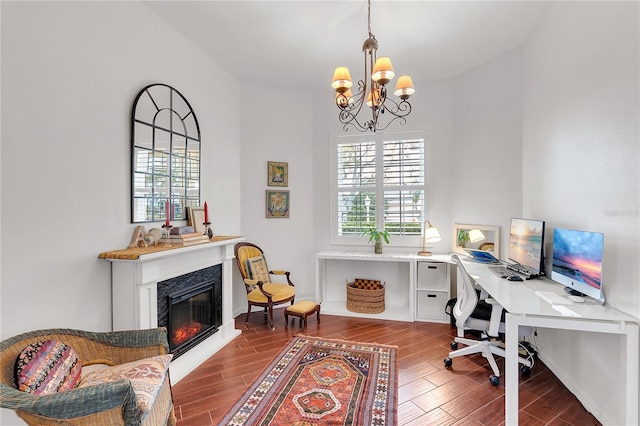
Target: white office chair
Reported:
[(483, 314)]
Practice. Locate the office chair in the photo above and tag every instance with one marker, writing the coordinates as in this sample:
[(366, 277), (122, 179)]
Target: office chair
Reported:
[(479, 312)]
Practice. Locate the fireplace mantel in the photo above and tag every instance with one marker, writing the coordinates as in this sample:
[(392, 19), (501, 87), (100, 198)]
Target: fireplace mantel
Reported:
[(135, 274)]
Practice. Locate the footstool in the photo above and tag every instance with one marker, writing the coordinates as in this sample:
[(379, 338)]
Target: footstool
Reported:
[(302, 310)]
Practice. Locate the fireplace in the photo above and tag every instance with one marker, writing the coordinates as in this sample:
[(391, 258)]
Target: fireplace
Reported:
[(190, 306)]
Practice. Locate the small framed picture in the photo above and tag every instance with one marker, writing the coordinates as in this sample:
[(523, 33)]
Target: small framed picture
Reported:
[(278, 173), (196, 218), (278, 203)]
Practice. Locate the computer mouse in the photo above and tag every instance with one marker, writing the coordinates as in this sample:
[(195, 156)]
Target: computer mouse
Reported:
[(576, 299), (514, 278)]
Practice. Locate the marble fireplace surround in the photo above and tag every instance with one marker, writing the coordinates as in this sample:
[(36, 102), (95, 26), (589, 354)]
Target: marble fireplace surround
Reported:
[(135, 274)]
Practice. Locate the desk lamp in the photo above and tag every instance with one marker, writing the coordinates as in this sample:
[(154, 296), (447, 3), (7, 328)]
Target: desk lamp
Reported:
[(431, 235)]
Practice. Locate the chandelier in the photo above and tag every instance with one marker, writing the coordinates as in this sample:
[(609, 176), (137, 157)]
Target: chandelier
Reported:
[(372, 90)]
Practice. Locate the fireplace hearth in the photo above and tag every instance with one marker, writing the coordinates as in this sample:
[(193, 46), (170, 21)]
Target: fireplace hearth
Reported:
[(190, 306)]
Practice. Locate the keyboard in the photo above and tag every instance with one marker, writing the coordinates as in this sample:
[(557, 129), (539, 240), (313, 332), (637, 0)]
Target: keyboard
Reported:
[(520, 269), (501, 271)]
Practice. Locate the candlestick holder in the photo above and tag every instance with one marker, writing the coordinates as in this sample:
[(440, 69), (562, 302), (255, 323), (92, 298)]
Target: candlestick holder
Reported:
[(207, 230), (167, 233)]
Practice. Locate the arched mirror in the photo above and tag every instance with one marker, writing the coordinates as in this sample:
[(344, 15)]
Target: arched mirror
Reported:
[(165, 155)]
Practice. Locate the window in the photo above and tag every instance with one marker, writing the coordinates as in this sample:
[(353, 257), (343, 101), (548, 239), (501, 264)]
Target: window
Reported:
[(379, 181)]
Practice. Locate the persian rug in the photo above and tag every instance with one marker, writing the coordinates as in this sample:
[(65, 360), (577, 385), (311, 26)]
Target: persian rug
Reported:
[(315, 381)]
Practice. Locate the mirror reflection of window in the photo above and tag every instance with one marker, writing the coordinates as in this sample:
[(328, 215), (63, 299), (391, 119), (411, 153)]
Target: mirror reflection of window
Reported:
[(165, 141)]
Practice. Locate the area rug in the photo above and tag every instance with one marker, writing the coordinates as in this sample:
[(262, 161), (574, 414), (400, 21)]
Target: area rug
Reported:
[(315, 381)]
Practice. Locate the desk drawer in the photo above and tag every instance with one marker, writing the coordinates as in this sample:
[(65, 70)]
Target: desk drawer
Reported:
[(431, 304), (432, 276)]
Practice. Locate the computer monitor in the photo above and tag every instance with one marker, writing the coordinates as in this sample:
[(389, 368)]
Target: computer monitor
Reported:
[(526, 244), (577, 261)]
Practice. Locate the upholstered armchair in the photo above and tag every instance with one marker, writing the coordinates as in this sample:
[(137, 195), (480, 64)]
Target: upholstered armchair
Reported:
[(257, 280), (129, 387)]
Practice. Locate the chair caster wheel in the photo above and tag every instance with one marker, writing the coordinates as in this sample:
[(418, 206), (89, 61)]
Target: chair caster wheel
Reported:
[(495, 380), (525, 370), (454, 346), (448, 362)]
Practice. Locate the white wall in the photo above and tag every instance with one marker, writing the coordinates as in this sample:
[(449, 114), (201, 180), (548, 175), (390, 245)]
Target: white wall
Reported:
[(70, 73), (487, 140), (278, 128), (580, 169)]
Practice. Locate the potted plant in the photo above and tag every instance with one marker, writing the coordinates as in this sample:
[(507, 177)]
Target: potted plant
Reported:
[(378, 236)]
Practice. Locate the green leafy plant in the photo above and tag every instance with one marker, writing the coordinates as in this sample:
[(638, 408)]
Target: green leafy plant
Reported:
[(376, 235)]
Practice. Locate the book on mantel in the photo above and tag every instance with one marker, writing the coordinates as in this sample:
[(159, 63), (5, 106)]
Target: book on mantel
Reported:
[(186, 239), (180, 230)]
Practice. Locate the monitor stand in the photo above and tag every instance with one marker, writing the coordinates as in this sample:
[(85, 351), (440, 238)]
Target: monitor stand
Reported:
[(574, 292)]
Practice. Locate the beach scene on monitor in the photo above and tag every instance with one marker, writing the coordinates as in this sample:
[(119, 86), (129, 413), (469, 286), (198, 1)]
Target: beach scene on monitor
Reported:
[(525, 242), (578, 256)]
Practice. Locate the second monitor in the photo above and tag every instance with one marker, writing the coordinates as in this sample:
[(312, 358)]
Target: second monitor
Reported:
[(526, 243)]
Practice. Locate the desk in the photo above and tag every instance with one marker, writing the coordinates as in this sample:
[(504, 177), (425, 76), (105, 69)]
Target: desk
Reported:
[(400, 273), (525, 308)]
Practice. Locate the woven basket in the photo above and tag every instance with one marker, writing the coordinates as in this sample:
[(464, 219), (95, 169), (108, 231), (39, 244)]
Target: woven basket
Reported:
[(365, 296)]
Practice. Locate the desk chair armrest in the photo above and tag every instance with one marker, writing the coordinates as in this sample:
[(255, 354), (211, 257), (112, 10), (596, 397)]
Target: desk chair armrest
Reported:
[(496, 314)]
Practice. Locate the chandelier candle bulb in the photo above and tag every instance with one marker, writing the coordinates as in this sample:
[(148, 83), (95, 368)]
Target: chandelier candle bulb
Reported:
[(341, 79), (383, 70), (404, 87), (344, 99)]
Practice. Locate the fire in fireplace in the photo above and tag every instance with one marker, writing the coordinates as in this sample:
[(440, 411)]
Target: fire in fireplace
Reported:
[(190, 306)]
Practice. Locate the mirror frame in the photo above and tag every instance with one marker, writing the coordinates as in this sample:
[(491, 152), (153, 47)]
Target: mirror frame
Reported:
[(165, 155), (458, 227)]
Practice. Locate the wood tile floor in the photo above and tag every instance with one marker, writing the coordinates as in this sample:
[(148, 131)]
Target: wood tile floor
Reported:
[(429, 394)]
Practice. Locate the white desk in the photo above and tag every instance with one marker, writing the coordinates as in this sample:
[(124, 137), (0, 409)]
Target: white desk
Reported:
[(398, 270), (525, 308)]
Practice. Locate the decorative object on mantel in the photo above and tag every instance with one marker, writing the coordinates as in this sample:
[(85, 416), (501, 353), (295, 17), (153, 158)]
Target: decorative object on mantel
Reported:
[(277, 204), (431, 235), (371, 89), (278, 173), (323, 381), (136, 252), (207, 224), (196, 218), (137, 239), (167, 233), (378, 236)]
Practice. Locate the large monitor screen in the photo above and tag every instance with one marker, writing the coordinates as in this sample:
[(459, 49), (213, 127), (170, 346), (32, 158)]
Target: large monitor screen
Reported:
[(526, 242), (577, 260)]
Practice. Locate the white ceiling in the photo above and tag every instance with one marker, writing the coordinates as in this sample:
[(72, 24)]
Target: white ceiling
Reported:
[(298, 44)]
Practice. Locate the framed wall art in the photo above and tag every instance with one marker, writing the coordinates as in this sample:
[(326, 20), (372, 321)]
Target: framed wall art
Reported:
[(277, 204), (278, 173)]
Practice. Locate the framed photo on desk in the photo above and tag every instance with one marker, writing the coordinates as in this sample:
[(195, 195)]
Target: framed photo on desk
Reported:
[(479, 237)]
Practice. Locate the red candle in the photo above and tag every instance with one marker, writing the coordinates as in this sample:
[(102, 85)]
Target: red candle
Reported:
[(166, 211), (206, 213)]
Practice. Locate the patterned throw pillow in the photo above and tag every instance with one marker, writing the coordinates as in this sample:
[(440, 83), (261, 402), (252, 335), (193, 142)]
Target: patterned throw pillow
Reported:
[(146, 376), (46, 367), (258, 269)]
